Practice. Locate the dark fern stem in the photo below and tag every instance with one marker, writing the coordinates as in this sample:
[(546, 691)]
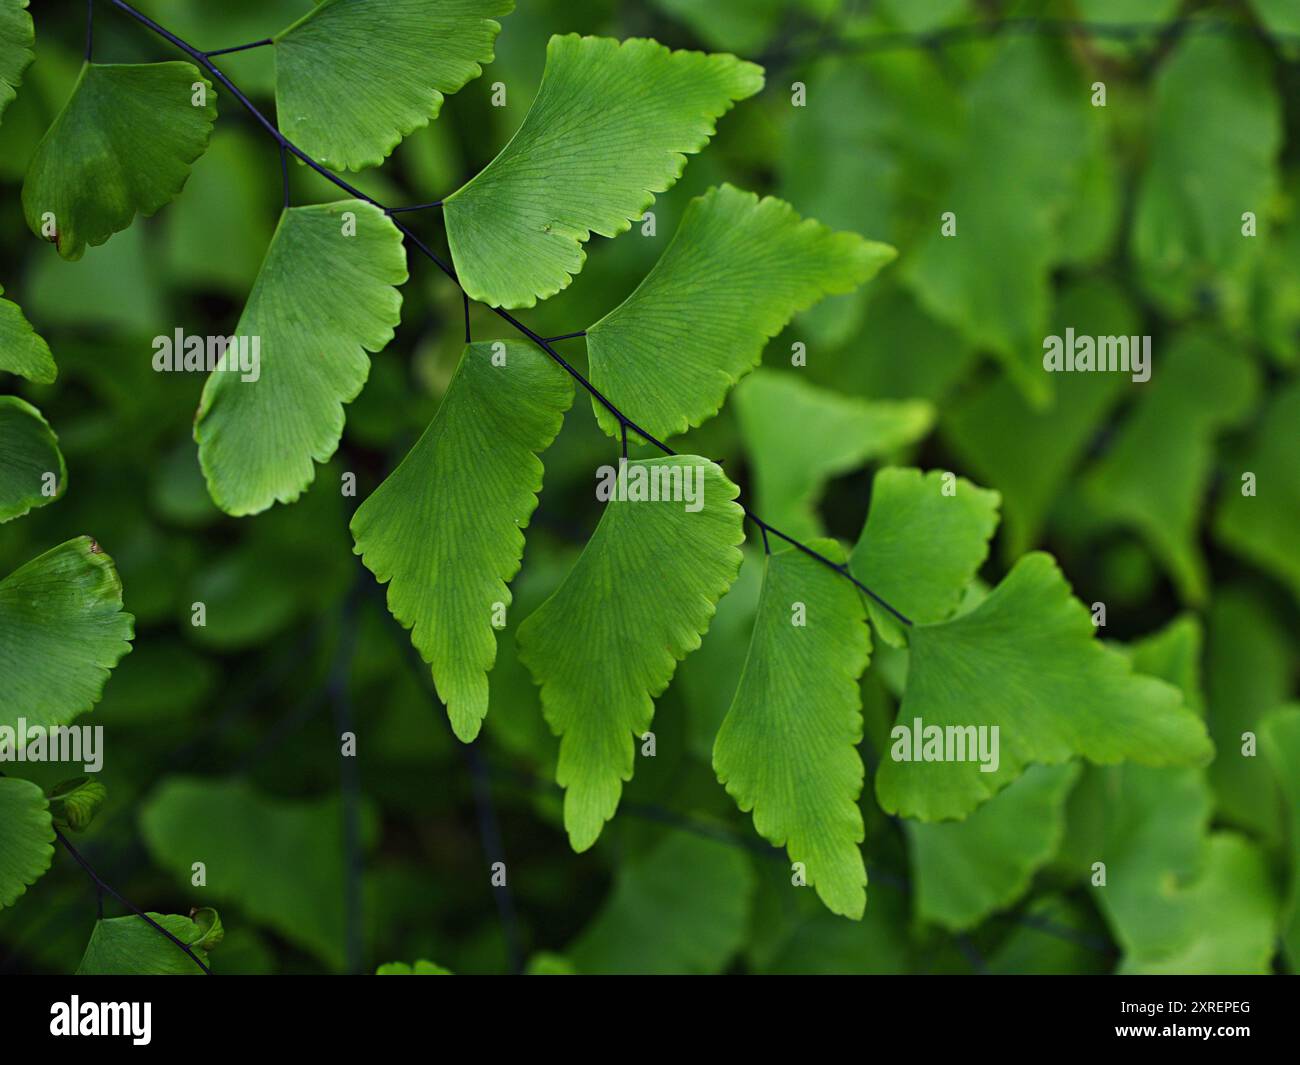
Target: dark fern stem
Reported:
[(102, 888), (625, 422)]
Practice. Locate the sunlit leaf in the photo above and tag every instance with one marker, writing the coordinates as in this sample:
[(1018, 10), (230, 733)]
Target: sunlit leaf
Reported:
[(925, 538), (1027, 661), (593, 151), (641, 595), (736, 272), (787, 750), (329, 96), (258, 438), (446, 527)]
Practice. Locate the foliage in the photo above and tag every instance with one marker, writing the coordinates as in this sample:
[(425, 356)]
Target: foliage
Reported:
[(844, 516)]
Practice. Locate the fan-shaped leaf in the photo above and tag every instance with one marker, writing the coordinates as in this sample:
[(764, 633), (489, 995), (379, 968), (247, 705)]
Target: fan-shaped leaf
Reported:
[(17, 37), (1026, 661), (62, 629), (130, 946), (798, 436), (637, 601), (122, 146), (736, 272), (353, 78), (966, 870), (682, 907), (610, 128), (29, 454), (26, 837), (788, 747), (22, 350), (325, 296), (446, 527), (924, 540), (280, 861)]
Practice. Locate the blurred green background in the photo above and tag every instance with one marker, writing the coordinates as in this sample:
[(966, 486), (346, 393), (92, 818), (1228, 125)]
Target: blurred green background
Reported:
[(222, 741)]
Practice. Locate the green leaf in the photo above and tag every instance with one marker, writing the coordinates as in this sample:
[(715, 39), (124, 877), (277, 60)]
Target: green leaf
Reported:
[(75, 802), (787, 749), (924, 540), (637, 601), (682, 907), (29, 452), (1027, 129), (280, 860), (1225, 921), (352, 79), (1026, 660), (62, 629), (596, 146), (22, 350), (258, 438), (129, 946), (1265, 526), (422, 967), (26, 837), (17, 37), (1279, 16), (1213, 156), (1158, 468), (446, 527), (122, 146), (1279, 739), (966, 870), (737, 270), (799, 436)]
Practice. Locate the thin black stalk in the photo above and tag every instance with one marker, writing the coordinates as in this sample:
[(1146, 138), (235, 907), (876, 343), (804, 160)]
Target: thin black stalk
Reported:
[(106, 889), (623, 420), (413, 207), (240, 47), (90, 28)]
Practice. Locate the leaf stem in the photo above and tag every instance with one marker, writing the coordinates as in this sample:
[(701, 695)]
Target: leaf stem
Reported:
[(625, 423), (104, 888), (240, 47)]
